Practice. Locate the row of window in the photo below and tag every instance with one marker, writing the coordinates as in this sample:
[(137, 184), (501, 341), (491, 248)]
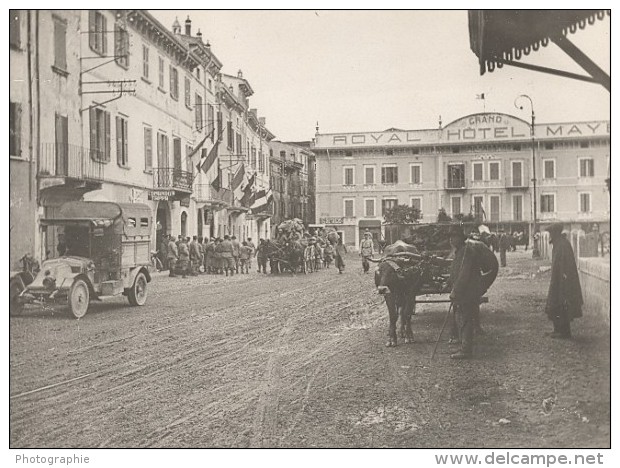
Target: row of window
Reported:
[(547, 205), (456, 172)]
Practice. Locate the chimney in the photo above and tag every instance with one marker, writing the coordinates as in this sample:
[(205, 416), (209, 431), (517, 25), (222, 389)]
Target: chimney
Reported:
[(262, 121), (188, 27), (254, 111), (199, 35), (176, 26), (208, 45), (239, 74)]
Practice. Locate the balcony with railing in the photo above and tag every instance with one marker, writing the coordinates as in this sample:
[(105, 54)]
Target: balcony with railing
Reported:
[(170, 178), (71, 165), (205, 193), (455, 184), (517, 183)]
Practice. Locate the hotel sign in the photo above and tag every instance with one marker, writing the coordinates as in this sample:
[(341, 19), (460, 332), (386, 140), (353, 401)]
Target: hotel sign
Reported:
[(471, 129)]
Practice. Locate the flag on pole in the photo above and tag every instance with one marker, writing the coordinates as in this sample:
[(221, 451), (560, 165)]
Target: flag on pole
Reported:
[(248, 192), (480, 96), (217, 182), (207, 161), (263, 198), (195, 150)]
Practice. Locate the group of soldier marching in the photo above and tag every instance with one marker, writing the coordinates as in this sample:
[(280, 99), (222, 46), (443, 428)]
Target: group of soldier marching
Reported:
[(190, 257)]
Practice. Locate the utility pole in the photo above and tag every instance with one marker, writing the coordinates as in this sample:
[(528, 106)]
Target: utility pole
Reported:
[(535, 249)]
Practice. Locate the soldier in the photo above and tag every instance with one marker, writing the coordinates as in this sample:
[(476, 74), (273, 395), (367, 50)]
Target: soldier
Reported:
[(245, 253), (163, 252), (210, 256), (366, 250), (195, 256), (340, 250), (261, 255), (235, 252), (184, 261), (474, 269), (173, 256), (217, 257), (564, 299), (228, 260), (252, 247)]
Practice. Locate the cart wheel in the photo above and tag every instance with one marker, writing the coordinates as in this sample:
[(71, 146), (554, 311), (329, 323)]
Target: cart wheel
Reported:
[(137, 293), (16, 286), (79, 297)]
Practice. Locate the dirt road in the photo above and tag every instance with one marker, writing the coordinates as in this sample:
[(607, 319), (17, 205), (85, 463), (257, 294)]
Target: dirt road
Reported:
[(281, 361)]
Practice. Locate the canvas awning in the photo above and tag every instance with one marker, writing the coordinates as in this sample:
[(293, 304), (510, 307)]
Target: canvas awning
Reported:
[(502, 37)]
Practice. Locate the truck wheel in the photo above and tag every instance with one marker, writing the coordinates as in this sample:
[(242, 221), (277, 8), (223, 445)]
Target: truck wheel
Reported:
[(79, 297), (137, 293), (16, 286)]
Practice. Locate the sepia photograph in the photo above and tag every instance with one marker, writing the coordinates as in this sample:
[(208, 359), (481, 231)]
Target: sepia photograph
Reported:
[(307, 229)]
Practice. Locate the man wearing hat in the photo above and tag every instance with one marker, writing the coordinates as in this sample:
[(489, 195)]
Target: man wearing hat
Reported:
[(473, 270), (504, 245), (366, 250), (564, 299)]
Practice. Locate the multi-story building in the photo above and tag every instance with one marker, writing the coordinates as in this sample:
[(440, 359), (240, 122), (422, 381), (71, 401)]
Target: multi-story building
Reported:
[(479, 164), (243, 155), (109, 105), (289, 182)]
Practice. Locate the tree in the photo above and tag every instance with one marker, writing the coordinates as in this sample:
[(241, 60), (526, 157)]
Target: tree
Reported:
[(402, 214), (443, 217), (468, 218)]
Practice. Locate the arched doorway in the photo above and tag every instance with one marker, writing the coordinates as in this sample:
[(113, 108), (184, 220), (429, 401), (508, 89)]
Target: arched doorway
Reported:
[(184, 224), (163, 223)]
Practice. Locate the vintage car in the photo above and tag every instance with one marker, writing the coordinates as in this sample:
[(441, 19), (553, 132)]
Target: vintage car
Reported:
[(105, 252)]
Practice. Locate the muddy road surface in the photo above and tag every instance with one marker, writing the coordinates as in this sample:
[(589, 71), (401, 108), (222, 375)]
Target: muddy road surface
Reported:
[(280, 361)]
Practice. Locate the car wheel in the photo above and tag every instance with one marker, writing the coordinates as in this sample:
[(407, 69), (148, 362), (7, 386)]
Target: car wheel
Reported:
[(137, 293), (79, 298), (16, 286)]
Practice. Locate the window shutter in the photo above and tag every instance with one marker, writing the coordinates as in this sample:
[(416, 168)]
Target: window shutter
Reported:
[(92, 28), (106, 142), (18, 129), (104, 36), (93, 134), (119, 141), (60, 55), (126, 142)]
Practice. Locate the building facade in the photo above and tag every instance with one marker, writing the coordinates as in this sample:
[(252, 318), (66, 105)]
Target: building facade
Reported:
[(110, 105), (479, 164), (289, 182)]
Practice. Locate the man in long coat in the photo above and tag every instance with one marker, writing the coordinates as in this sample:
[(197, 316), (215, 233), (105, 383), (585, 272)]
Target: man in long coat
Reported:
[(195, 256), (564, 299), (173, 256), (473, 270), (505, 244)]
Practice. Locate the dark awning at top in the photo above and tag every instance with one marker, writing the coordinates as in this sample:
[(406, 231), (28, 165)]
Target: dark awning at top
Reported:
[(500, 37)]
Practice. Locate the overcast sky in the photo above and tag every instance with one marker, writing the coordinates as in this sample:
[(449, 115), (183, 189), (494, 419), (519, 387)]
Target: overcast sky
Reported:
[(372, 70)]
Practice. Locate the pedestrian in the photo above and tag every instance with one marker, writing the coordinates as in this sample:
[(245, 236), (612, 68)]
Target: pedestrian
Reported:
[(473, 270), (184, 260), (340, 250), (228, 260), (235, 245), (366, 250), (173, 256), (504, 245), (564, 299), (195, 256), (261, 255), (162, 254), (217, 257), (244, 257), (252, 247), (328, 254), (210, 256)]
